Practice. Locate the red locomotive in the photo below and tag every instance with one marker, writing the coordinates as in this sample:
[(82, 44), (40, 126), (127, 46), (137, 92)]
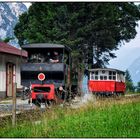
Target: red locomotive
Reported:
[(106, 81)]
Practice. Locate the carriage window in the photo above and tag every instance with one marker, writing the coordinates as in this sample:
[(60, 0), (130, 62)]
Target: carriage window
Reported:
[(112, 75), (114, 72), (120, 77), (105, 77), (101, 77), (92, 77), (93, 72), (96, 72), (110, 72), (96, 77)]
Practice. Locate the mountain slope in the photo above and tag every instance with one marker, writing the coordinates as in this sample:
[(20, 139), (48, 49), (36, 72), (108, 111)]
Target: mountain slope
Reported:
[(134, 70), (9, 14)]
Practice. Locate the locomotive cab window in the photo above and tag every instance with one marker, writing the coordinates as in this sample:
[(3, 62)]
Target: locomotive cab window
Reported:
[(45, 55)]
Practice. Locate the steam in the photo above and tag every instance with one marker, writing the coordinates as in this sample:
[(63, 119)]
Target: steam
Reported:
[(86, 97)]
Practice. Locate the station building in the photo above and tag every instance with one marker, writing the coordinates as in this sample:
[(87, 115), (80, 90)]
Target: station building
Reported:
[(10, 61)]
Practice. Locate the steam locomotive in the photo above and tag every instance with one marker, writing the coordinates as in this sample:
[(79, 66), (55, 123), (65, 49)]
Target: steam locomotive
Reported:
[(106, 81), (48, 74)]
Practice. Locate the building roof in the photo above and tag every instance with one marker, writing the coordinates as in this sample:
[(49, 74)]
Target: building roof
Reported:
[(8, 49), (44, 45)]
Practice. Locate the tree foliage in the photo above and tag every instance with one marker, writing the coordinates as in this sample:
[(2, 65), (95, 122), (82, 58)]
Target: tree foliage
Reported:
[(6, 40), (129, 83), (138, 87), (90, 29)]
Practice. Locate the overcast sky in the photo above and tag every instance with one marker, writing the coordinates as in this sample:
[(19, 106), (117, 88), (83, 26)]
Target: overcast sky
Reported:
[(28, 4), (127, 53)]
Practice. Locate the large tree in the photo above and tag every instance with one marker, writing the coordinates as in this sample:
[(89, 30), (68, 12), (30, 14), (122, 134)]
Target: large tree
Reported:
[(92, 30)]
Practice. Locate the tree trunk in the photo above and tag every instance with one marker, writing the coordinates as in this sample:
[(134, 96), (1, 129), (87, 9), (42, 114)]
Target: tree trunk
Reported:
[(80, 78)]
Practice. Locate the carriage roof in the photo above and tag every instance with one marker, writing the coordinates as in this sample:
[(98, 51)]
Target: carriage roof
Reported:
[(106, 69), (45, 45)]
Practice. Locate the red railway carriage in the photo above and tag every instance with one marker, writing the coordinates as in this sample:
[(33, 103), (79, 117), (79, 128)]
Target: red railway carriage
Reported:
[(106, 81)]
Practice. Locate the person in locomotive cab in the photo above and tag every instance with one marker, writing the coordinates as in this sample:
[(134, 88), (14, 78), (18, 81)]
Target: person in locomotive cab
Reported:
[(47, 57), (55, 58)]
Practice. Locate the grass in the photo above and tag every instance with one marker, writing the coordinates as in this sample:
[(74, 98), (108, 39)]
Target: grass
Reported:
[(107, 118)]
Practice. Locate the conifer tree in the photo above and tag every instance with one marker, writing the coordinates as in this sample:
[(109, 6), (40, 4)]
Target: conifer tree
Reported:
[(138, 87), (129, 83)]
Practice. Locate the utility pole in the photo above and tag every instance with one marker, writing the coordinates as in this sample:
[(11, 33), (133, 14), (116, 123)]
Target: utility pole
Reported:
[(14, 105)]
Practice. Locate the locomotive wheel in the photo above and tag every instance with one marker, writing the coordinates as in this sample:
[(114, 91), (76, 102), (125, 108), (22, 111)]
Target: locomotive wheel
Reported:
[(51, 103)]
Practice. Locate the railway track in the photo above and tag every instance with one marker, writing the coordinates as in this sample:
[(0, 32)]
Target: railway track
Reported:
[(132, 95), (22, 105)]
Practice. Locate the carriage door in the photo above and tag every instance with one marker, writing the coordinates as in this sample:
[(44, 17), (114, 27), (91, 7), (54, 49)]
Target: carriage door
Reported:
[(10, 78)]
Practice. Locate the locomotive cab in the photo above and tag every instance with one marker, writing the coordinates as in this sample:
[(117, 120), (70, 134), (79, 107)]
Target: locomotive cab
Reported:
[(106, 81)]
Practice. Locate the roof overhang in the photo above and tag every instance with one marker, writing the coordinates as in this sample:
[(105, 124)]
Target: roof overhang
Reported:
[(106, 69), (8, 49), (44, 45)]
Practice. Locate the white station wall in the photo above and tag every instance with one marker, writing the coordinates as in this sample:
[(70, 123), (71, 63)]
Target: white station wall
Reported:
[(2, 73), (5, 58)]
